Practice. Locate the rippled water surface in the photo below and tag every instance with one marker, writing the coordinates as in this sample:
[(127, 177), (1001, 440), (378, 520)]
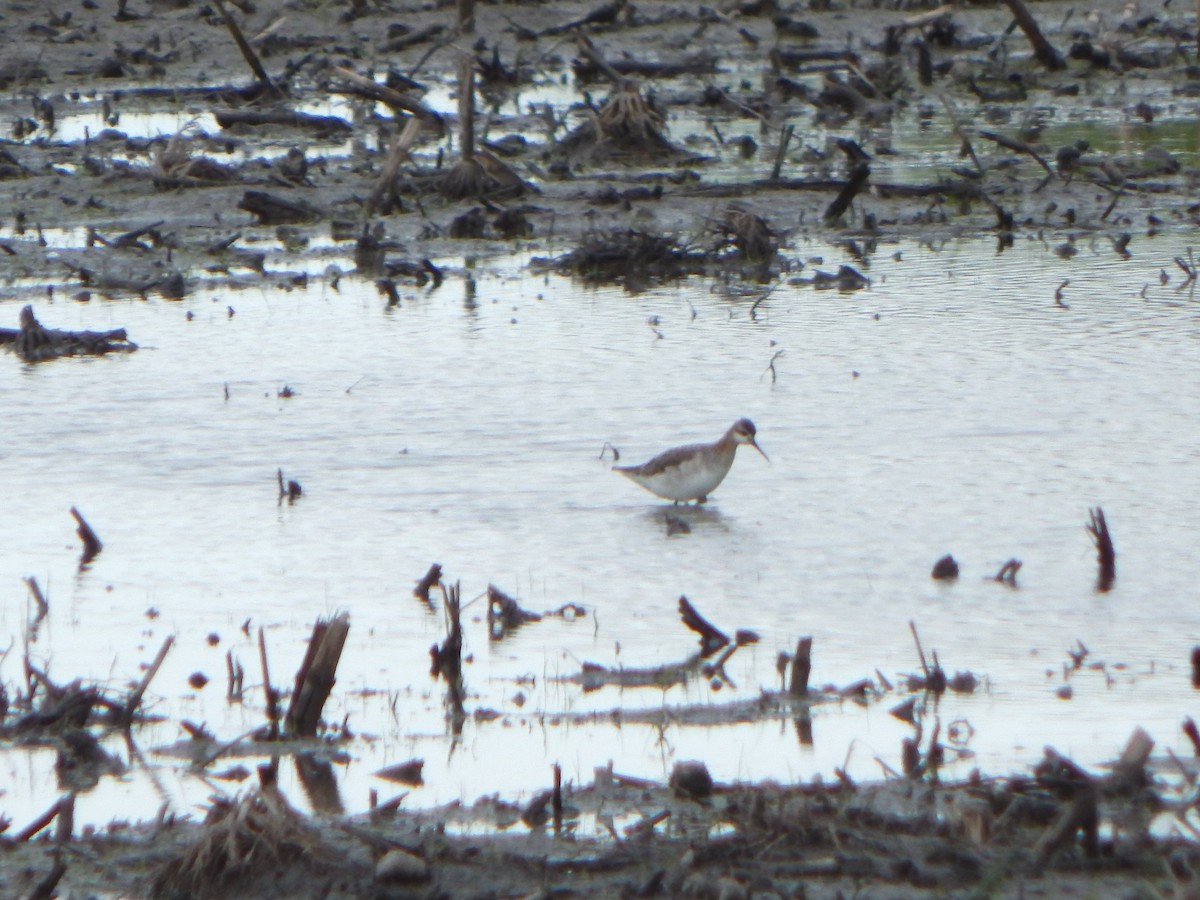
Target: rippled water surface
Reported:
[(952, 407)]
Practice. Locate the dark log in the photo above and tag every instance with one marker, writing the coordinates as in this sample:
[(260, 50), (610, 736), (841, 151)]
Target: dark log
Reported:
[(321, 126), (373, 90), (1042, 48), (315, 679), (466, 16), (853, 186), (46, 888), (801, 667), (34, 343)]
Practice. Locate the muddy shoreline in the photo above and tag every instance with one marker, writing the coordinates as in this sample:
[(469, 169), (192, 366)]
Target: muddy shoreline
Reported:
[(146, 208)]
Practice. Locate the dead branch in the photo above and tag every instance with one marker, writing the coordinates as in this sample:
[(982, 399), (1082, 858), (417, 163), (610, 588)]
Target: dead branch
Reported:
[(248, 54), (1042, 48), (1106, 555), (712, 638), (315, 678), (127, 713)]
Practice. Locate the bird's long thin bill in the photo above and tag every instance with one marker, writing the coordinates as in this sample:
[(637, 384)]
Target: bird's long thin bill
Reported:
[(754, 444)]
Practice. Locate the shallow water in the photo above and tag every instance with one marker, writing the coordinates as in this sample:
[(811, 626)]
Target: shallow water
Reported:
[(952, 407)]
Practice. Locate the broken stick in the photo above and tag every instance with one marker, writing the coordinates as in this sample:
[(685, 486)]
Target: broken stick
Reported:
[(315, 679), (92, 545)]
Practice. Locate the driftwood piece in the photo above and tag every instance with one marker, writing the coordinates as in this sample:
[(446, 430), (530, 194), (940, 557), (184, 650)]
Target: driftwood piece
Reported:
[(398, 101), (315, 679), (593, 676), (1042, 48), (33, 342), (321, 126)]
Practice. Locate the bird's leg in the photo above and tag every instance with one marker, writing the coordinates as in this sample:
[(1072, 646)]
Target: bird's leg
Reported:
[(702, 500)]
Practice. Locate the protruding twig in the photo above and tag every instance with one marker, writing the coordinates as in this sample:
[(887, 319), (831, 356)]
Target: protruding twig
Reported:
[(801, 667), (712, 638), (272, 695), (92, 545), (1008, 573), (1105, 554), (247, 51), (236, 676), (447, 659), (135, 698), (1042, 48), (38, 597), (781, 152)]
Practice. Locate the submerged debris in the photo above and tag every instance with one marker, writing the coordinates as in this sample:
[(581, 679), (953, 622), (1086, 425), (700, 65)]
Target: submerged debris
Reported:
[(33, 342), (630, 257)]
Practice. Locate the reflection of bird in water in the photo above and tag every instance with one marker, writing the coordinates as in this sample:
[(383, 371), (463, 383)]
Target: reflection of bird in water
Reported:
[(693, 471)]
